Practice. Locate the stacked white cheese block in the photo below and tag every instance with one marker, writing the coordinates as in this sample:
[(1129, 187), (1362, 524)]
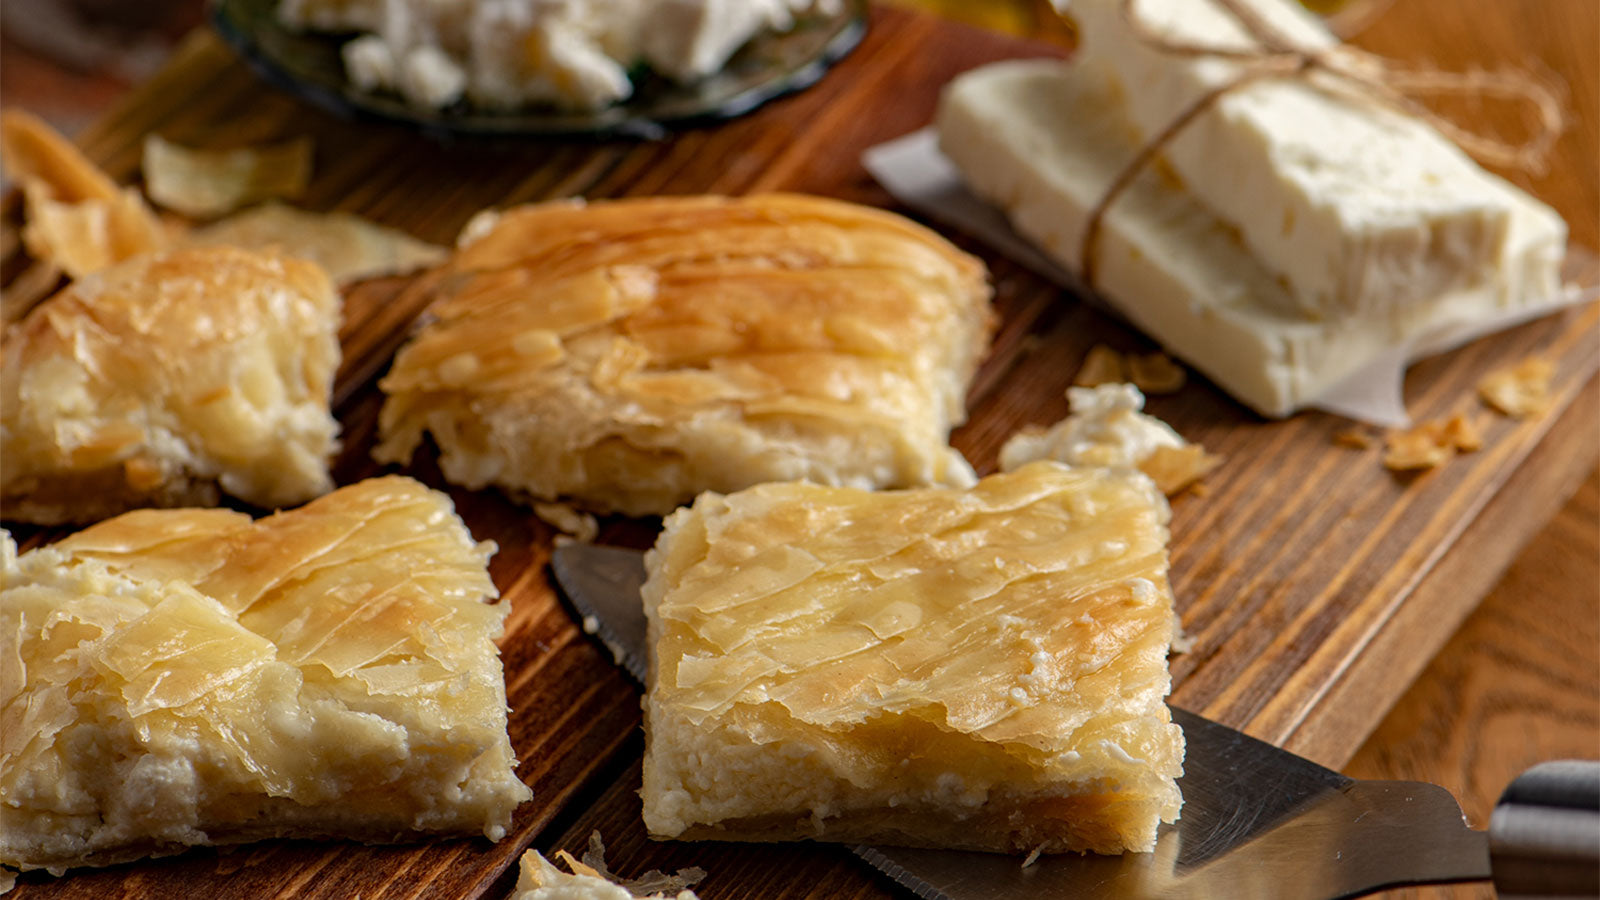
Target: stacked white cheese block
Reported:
[(1292, 235)]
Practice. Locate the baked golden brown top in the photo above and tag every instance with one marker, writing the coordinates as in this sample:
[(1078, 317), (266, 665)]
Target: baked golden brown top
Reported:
[(155, 381), (627, 355), (179, 677), (931, 666)]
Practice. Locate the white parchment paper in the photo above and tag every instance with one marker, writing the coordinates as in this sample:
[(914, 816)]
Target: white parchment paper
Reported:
[(918, 175)]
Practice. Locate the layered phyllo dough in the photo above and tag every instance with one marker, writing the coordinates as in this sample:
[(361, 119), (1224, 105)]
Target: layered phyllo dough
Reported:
[(626, 356), (172, 678), (983, 669), (166, 380)]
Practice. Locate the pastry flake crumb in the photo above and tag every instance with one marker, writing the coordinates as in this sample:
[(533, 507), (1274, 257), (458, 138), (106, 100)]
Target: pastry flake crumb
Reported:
[(1422, 447), (1356, 438), (1175, 468), (349, 247), (1521, 390), (77, 218), (1102, 365), (1465, 434), (579, 526), (589, 879), (204, 184), (1155, 373), (1431, 444)]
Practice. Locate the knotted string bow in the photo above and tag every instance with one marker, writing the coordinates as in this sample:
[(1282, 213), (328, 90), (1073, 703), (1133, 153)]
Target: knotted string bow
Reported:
[(1350, 71)]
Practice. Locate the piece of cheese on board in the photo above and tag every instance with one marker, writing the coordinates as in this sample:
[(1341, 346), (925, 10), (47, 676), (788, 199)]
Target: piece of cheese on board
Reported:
[(1362, 210), (1042, 139)]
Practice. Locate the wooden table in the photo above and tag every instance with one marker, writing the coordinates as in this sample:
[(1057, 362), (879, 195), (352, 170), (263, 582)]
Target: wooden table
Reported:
[(1302, 649)]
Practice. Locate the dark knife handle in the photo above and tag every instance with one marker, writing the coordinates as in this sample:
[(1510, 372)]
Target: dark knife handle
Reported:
[(1544, 835)]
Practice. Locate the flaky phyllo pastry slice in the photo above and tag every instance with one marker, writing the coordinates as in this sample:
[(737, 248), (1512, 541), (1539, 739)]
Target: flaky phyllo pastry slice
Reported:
[(628, 355), (181, 677), (983, 669), (166, 378)]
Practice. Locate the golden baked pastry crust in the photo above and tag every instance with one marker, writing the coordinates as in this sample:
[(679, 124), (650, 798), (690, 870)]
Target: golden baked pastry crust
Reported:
[(627, 355), (171, 678), (163, 378), (78, 219), (981, 669)]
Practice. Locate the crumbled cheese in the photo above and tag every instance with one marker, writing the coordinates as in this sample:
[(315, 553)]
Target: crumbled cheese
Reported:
[(1107, 428), (504, 54)]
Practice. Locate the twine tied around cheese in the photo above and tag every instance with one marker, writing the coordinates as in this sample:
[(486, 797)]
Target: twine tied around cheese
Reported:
[(1352, 72)]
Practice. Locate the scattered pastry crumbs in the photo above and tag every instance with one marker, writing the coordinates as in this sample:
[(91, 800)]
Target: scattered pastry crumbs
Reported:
[(1152, 373), (1519, 391), (589, 877), (78, 219), (1155, 373), (1431, 444), (1464, 433), (1175, 468), (207, 183), (1102, 365), (1356, 438), (580, 526)]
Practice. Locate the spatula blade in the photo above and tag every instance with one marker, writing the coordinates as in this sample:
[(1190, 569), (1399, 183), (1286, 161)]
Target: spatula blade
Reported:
[(1258, 822)]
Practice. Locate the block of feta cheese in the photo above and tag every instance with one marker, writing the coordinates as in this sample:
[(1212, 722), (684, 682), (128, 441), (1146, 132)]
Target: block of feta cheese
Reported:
[(982, 669), (1360, 209), (1042, 139)]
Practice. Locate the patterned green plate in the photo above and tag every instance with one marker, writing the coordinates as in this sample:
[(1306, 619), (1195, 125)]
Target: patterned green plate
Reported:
[(309, 66)]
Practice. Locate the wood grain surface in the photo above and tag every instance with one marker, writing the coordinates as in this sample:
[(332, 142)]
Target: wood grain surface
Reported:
[(1517, 685), (1315, 583)]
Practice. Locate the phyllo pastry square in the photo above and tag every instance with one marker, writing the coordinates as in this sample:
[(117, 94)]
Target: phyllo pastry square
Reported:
[(980, 669), (625, 356), (171, 678), (165, 378)]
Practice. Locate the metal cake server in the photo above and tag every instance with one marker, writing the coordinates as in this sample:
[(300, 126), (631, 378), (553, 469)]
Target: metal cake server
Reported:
[(1258, 822)]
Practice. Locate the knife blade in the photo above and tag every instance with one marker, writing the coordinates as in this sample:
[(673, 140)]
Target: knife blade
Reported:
[(1258, 821)]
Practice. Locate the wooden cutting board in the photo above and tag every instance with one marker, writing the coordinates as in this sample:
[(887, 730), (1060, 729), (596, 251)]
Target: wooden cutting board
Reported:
[(1315, 583)]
